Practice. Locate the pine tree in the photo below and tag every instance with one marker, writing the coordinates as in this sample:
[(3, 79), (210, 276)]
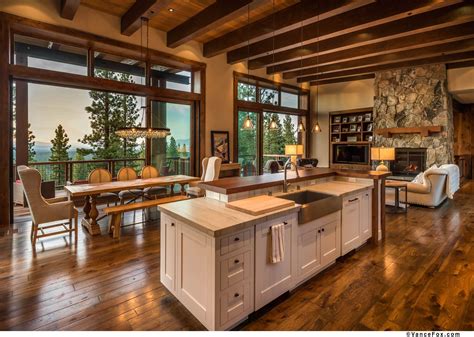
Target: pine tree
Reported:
[(288, 131), (107, 113), (248, 144), (31, 145), (172, 149), (59, 153), (273, 141), (81, 171)]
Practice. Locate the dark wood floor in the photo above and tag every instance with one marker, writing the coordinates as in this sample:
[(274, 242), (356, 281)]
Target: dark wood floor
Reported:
[(420, 278)]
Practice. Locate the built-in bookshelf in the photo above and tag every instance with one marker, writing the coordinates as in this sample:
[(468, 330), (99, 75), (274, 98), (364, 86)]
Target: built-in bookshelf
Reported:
[(351, 127)]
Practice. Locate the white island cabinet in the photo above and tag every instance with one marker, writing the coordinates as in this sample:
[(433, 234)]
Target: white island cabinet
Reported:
[(356, 224)]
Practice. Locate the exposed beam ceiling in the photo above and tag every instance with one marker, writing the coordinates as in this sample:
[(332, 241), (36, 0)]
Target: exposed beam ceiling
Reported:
[(68, 8), (285, 19), (207, 19), (427, 27), (367, 16), (463, 56), (343, 79), (463, 64), (131, 20), (435, 42)]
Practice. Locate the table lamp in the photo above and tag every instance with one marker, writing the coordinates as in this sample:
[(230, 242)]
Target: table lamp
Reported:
[(293, 151), (382, 153)]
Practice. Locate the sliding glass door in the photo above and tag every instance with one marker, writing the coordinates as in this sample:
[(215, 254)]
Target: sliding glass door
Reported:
[(247, 147), (175, 154)]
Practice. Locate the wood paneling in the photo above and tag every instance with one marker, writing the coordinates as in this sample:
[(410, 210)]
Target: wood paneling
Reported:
[(419, 278), (367, 16), (5, 123), (204, 21)]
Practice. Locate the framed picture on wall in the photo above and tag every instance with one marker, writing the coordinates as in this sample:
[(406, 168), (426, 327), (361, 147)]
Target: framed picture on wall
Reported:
[(220, 145)]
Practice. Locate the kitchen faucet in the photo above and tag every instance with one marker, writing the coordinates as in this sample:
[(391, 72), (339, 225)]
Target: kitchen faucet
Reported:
[(285, 182)]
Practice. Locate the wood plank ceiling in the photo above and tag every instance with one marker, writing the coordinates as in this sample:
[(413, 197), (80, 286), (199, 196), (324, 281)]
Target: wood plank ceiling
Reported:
[(314, 41)]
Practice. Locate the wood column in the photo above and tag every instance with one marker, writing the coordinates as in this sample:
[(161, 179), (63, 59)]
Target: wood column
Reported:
[(21, 101), (6, 214)]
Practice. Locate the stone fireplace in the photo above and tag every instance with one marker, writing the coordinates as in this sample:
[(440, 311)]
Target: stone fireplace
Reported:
[(415, 97), (408, 162)]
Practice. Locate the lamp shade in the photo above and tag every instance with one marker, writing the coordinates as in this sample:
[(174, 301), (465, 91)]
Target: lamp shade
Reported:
[(294, 150), (382, 153)]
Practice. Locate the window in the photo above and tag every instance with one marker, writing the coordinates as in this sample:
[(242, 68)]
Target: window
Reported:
[(246, 92), (118, 68), (248, 144), (173, 154), (268, 96), (49, 55), (166, 77), (289, 100)]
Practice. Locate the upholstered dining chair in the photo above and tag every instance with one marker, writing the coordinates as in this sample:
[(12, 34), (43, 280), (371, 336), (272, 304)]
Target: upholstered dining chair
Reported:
[(100, 175), (211, 168), (125, 174), (149, 172), (45, 214)]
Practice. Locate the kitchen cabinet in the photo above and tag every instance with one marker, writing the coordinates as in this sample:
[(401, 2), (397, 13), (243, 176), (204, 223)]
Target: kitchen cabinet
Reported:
[(356, 224), (168, 253), (273, 279), (317, 245)]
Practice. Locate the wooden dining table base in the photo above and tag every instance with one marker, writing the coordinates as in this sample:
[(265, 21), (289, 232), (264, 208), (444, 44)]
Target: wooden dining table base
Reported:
[(90, 215)]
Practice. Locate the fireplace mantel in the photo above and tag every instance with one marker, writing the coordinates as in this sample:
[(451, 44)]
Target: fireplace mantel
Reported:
[(424, 131)]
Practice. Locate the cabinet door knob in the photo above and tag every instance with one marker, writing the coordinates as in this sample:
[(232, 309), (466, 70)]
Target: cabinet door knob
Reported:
[(236, 239), (319, 231), (236, 261), (172, 224), (322, 230), (236, 295), (285, 223)]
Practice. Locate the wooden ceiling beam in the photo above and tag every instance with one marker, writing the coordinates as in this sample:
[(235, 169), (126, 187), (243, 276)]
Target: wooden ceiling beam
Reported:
[(68, 8), (423, 27), (343, 79), (413, 48), (371, 15), (462, 64), (131, 20), (284, 19), (449, 58), (210, 17)]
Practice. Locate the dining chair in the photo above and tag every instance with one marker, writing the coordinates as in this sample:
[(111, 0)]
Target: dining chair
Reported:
[(100, 175), (149, 172), (46, 214), (126, 174), (211, 168)]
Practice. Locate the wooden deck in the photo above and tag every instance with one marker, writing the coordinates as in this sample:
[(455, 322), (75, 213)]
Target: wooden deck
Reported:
[(421, 278)]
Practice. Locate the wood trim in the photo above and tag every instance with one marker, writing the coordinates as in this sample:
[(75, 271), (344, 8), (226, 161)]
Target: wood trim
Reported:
[(375, 213), (343, 79), (281, 85), (43, 76), (6, 211), (68, 8), (77, 37), (396, 65), (462, 64), (201, 23), (374, 14), (270, 108), (304, 10), (432, 27), (424, 131)]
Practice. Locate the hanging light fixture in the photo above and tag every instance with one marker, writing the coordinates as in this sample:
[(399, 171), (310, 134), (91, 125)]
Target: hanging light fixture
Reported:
[(273, 126), (316, 127), (301, 127), (143, 132), (248, 124)]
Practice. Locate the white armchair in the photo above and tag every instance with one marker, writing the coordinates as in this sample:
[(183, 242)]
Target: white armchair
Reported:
[(211, 167), (43, 211)]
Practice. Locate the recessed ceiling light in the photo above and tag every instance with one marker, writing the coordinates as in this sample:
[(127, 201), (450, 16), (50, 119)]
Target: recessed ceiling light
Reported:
[(171, 10)]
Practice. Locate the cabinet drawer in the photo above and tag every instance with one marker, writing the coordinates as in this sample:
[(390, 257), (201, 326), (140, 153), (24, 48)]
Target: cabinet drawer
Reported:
[(236, 241), (235, 302), (235, 269)]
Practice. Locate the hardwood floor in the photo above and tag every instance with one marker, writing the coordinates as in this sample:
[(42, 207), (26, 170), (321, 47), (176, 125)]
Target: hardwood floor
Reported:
[(420, 278)]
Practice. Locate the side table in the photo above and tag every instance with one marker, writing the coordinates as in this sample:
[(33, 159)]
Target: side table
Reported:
[(398, 186)]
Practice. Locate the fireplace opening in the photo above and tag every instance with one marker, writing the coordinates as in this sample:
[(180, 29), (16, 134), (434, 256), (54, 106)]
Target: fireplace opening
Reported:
[(409, 161)]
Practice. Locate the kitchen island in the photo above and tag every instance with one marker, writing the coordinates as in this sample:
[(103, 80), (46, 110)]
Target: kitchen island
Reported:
[(215, 259)]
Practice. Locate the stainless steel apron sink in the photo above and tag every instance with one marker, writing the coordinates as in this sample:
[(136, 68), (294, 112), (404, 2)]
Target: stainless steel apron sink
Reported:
[(314, 205)]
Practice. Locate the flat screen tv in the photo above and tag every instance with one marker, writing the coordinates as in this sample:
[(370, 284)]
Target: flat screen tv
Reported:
[(350, 154)]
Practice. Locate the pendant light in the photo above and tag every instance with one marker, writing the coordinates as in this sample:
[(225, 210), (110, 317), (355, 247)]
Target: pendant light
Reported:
[(143, 132), (316, 127), (301, 127), (273, 126), (248, 124)]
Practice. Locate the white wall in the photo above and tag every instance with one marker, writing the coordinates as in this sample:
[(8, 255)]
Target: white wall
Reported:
[(336, 97), (461, 84), (219, 80)]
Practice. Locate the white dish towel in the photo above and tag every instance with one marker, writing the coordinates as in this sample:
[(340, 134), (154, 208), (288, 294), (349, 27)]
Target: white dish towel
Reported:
[(278, 243)]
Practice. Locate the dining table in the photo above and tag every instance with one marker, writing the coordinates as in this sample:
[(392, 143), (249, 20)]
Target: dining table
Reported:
[(90, 192)]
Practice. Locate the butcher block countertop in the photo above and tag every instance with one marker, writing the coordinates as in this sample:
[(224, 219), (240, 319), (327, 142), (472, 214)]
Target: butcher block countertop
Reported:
[(244, 184), (214, 218), (338, 188)]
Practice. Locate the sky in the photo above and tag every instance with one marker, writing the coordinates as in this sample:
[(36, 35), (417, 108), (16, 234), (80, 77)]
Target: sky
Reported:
[(49, 106)]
